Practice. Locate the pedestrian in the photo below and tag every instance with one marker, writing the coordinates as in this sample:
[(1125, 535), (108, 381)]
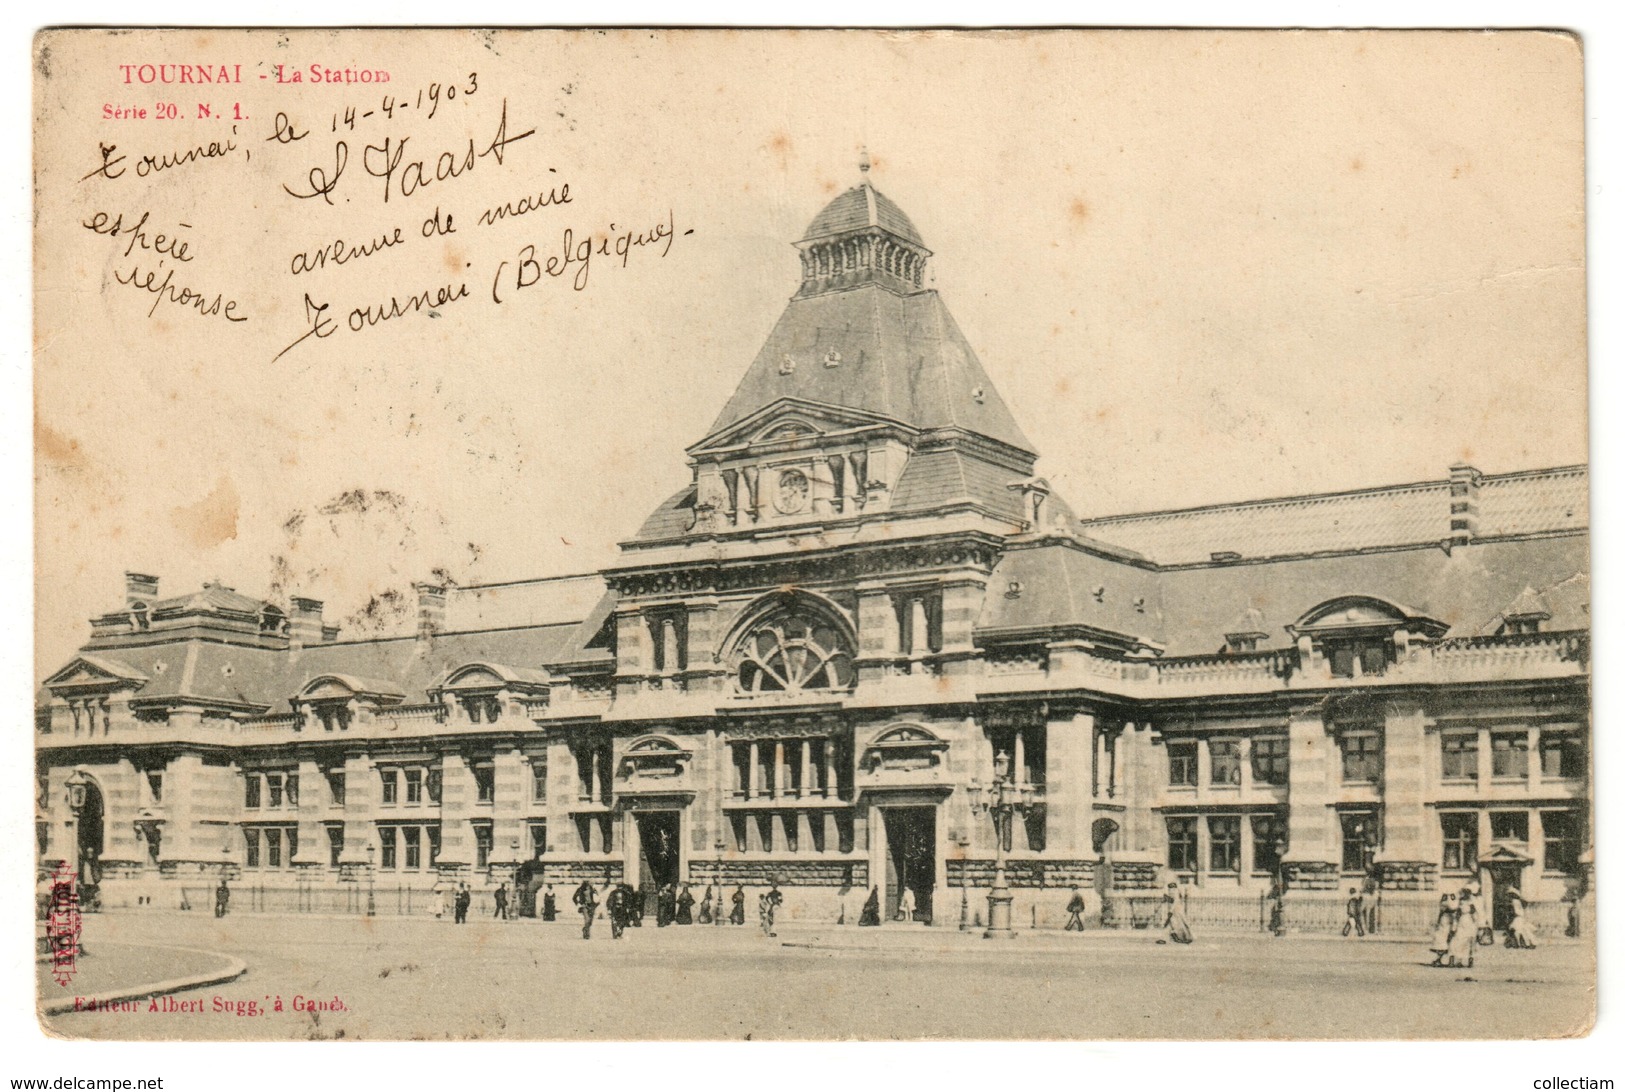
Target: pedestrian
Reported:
[(871, 909), (1571, 927), (1074, 911), (665, 906), (705, 907), (222, 898), (1464, 939), (616, 905), (736, 916), (465, 899), (768, 906), (905, 905), (1179, 929), (685, 906), (1520, 934), (501, 901), (550, 904), (1486, 930), (1354, 911), (586, 901), (1444, 924)]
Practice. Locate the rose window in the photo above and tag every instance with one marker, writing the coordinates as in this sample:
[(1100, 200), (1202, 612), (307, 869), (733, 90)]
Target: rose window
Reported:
[(792, 650)]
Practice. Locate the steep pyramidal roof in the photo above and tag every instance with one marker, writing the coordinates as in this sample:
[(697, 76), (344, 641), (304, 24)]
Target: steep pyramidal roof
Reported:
[(867, 348), (863, 333)]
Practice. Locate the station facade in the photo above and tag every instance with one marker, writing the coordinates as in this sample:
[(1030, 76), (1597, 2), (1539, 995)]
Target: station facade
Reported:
[(810, 663)]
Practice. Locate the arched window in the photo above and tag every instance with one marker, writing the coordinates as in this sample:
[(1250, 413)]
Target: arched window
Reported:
[(794, 647)]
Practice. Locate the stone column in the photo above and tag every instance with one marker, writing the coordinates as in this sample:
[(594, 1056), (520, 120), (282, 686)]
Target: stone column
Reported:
[(360, 800), (510, 791), (753, 783), (457, 794), (1311, 859), (1069, 748), (312, 855), (778, 769), (919, 627), (1407, 861)]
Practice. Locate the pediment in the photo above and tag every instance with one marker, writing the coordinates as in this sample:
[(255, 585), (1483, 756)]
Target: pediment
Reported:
[(96, 672), (790, 421)]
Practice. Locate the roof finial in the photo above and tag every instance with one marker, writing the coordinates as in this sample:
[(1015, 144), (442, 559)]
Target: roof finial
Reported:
[(863, 160)]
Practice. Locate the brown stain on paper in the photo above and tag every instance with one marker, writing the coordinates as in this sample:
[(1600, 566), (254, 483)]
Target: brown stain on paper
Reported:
[(213, 519)]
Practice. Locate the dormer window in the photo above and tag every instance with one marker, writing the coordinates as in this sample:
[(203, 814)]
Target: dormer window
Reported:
[(140, 617), (1359, 636), (1523, 625)]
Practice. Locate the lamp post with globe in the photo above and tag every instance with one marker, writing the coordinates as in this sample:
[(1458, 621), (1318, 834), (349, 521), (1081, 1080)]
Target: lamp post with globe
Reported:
[(1003, 800)]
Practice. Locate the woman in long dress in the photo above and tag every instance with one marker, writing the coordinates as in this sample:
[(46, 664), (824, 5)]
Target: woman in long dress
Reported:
[(1520, 934), (685, 906), (1443, 926), (1464, 939), (871, 909), (1179, 929), (705, 907)]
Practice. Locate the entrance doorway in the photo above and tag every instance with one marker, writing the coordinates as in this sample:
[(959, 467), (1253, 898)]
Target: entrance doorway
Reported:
[(659, 857), (90, 835), (1505, 876), (911, 859)]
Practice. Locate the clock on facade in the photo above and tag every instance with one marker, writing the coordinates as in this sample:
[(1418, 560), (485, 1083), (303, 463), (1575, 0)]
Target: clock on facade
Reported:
[(792, 492)]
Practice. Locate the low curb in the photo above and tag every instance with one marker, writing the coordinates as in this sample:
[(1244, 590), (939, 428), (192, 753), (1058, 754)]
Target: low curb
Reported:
[(234, 968)]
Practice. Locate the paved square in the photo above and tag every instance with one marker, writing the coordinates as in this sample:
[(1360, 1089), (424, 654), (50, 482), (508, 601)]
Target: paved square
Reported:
[(525, 980)]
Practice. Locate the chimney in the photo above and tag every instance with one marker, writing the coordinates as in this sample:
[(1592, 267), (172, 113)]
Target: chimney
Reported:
[(1464, 483), (139, 588), (431, 609), (305, 624)]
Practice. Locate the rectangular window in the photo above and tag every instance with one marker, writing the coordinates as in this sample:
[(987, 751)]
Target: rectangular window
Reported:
[(1224, 843), (251, 791), (387, 777), (485, 782), (386, 847), (434, 782), (1460, 840), (335, 845), (293, 790), (1509, 826), (413, 837), (482, 845), (155, 786), (273, 790), (1182, 844), (1224, 761), (538, 840), (434, 845), (1561, 755), (414, 786), (1562, 833), (1459, 756), (538, 782), (1269, 842), (1359, 840), (251, 842), (273, 848), (1182, 763), (335, 786), (1362, 756), (1349, 659), (1509, 754), (1270, 764)]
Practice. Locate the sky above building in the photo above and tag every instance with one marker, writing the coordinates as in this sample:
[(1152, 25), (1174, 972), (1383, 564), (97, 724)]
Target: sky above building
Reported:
[(1199, 267)]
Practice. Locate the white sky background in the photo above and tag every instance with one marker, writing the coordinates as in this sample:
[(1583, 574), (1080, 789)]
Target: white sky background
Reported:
[(1326, 1068), (1200, 267)]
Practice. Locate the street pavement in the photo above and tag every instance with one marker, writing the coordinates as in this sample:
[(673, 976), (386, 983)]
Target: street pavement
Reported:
[(394, 978)]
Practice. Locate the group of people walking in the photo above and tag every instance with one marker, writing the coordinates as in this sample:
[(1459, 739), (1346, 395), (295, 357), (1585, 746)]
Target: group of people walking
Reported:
[(624, 906), (1462, 926)]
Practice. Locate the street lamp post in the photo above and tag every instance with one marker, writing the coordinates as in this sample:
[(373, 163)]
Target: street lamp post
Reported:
[(372, 875), (1003, 800)]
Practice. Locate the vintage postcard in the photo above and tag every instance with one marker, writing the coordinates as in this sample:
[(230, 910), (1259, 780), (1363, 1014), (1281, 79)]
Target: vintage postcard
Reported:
[(635, 534)]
